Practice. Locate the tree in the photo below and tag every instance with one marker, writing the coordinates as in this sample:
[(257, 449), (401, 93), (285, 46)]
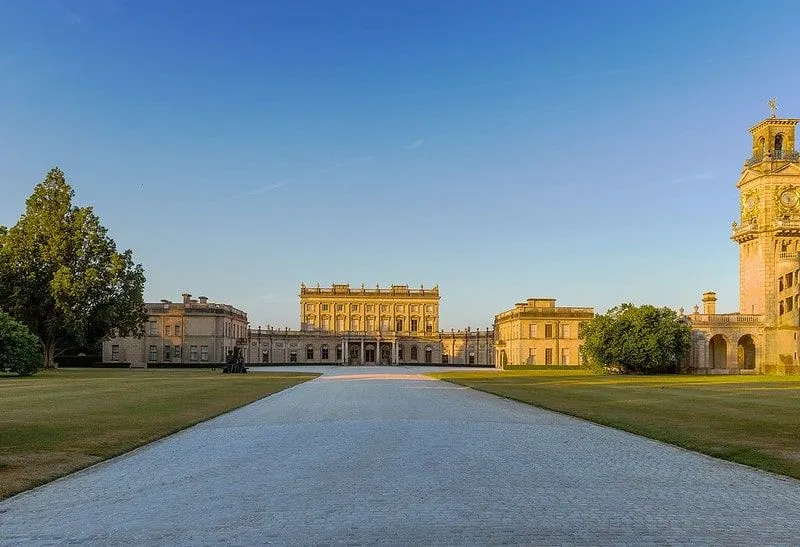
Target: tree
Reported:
[(61, 275), (633, 339), (19, 349)]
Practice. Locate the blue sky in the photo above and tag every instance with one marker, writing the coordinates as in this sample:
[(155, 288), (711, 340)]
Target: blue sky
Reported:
[(586, 151)]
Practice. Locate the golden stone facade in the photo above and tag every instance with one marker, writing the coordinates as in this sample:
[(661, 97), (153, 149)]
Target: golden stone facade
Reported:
[(363, 326), (762, 336), (537, 332)]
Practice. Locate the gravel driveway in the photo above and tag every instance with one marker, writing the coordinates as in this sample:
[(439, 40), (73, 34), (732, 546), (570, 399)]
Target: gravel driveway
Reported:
[(386, 455)]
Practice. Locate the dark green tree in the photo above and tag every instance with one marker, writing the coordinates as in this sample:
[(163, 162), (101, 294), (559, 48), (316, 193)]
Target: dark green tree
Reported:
[(19, 349), (636, 339), (61, 275)]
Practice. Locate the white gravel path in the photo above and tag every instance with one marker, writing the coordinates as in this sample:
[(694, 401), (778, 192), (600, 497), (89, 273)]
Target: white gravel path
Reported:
[(384, 455)]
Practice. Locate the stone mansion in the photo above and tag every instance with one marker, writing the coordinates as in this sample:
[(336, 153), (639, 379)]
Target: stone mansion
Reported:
[(394, 325)]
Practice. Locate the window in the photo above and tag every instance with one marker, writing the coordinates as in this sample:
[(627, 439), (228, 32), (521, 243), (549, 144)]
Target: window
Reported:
[(177, 353), (265, 357), (309, 352), (565, 331), (548, 356), (177, 330), (353, 307), (204, 353), (384, 324), (323, 307), (293, 357), (370, 323), (533, 330), (166, 330), (548, 330), (400, 353), (115, 352), (789, 304), (471, 358), (414, 308), (789, 279), (324, 352), (428, 356), (167, 356), (428, 327), (354, 324), (339, 307), (780, 307), (532, 356), (326, 323), (564, 356), (780, 283), (340, 323), (398, 324), (384, 307), (413, 353), (153, 328), (429, 308), (193, 353), (413, 326), (153, 353), (338, 352), (399, 308), (445, 358), (309, 307)]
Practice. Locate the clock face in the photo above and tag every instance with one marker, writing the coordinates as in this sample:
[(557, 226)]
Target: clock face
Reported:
[(788, 198)]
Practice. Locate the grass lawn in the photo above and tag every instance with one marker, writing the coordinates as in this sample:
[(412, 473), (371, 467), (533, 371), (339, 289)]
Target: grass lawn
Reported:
[(59, 421), (754, 420)]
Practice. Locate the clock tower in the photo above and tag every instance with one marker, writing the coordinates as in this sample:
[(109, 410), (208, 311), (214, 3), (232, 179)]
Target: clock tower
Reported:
[(768, 235)]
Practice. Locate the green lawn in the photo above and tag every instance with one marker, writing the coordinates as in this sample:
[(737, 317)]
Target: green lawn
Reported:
[(754, 420), (59, 421)]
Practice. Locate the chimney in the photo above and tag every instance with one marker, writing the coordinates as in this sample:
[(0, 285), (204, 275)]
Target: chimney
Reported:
[(710, 303), (187, 298), (203, 299)]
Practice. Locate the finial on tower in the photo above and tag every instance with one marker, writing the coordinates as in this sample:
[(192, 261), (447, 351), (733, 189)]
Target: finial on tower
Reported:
[(773, 107)]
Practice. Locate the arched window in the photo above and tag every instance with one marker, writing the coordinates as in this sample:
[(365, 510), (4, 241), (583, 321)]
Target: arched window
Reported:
[(309, 352), (413, 353), (428, 355), (779, 145)]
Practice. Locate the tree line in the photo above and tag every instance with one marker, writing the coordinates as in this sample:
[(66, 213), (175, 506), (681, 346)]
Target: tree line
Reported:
[(63, 284)]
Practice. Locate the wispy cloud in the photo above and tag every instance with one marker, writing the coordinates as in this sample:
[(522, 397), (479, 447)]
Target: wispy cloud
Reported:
[(348, 163), (261, 190), (416, 144), (705, 175), (595, 74)]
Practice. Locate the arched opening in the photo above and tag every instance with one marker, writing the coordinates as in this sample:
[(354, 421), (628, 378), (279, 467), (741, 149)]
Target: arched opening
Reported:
[(428, 355), (309, 352), (762, 147), (413, 353), (503, 358), (746, 353), (354, 351), (779, 145), (718, 351), (369, 354)]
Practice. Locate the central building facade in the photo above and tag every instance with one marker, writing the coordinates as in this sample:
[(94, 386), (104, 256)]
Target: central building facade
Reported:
[(348, 325)]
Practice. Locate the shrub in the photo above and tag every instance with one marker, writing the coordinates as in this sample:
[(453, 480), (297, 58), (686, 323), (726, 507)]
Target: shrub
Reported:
[(20, 351)]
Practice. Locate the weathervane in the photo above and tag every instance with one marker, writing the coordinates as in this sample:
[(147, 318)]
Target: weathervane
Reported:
[(773, 107)]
